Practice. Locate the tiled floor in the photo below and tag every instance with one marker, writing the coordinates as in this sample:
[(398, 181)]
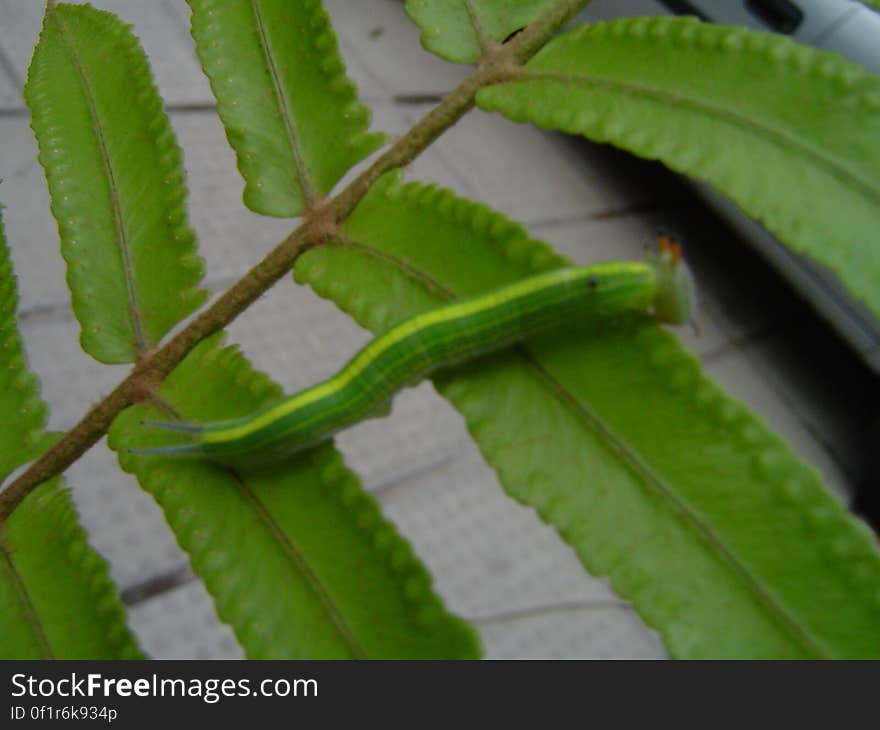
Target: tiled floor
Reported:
[(492, 559)]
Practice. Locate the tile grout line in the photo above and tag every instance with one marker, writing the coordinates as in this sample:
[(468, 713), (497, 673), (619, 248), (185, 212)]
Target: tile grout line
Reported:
[(513, 614), (403, 100), (157, 585), (181, 576), (178, 22)]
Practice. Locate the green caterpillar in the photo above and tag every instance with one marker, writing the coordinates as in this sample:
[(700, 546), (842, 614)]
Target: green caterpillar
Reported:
[(439, 338)]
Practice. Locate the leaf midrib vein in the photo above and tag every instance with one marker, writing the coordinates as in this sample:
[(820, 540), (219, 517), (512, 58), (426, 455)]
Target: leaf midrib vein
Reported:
[(484, 40), (141, 341), (619, 446), (680, 507), (308, 190), (25, 597), (292, 552), (776, 135)]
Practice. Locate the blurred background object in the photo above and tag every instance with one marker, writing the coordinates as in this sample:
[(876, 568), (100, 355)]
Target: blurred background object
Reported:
[(844, 26), (851, 29), (493, 560)]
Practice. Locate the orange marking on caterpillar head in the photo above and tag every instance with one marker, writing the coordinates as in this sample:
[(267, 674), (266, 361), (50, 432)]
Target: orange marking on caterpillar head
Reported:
[(674, 299), (669, 248)]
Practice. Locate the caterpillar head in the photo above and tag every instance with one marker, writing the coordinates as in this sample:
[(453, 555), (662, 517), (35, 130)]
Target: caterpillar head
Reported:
[(675, 297)]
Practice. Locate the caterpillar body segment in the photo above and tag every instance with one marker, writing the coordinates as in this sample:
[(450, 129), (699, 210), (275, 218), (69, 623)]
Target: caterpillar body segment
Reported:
[(439, 338)]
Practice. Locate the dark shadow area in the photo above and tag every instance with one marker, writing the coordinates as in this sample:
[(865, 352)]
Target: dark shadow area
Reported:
[(834, 384)]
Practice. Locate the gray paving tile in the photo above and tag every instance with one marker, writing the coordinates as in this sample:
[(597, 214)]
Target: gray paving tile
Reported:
[(159, 26), (737, 374), (123, 522), (378, 43), (431, 165), (231, 237), (382, 50), (10, 93), (592, 632), (492, 559), (169, 47), (30, 228), (488, 554), (71, 380), (537, 177), (19, 27), (182, 624)]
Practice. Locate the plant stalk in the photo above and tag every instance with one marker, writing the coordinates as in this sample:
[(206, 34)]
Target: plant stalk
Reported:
[(499, 63)]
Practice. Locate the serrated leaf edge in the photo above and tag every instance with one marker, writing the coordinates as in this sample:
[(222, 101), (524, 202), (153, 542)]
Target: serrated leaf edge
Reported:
[(849, 543), (778, 51), (12, 349), (210, 44), (56, 505), (234, 604), (687, 159), (54, 500), (432, 41), (63, 187), (29, 611)]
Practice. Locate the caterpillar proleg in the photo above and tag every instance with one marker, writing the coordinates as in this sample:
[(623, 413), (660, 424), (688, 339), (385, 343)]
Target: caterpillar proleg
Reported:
[(449, 334)]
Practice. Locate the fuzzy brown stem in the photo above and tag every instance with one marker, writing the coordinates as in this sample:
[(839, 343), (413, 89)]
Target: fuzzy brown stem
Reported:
[(319, 224)]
